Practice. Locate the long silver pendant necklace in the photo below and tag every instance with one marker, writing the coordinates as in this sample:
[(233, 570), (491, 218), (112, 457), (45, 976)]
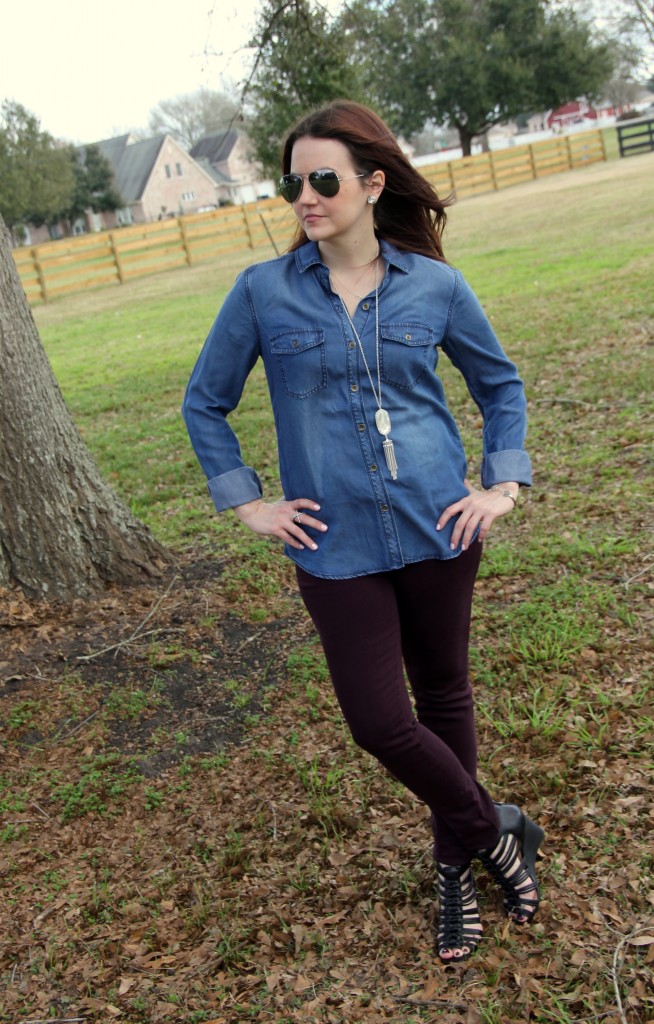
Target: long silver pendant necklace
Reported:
[(382, 419)]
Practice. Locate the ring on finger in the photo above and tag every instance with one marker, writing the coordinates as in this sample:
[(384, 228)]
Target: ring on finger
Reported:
[(297, 518)]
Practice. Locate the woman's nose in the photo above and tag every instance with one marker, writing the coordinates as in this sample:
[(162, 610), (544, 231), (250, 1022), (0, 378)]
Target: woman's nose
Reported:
[(306, 193)]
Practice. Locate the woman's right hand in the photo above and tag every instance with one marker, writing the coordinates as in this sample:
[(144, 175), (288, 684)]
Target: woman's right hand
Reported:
[(276, 520)]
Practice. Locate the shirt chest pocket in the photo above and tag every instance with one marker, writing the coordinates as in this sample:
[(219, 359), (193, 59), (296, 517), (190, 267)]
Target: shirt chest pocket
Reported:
[(300, 359), (404, 353)]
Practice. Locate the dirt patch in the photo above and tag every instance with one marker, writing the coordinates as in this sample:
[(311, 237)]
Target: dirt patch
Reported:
[(168, 671)]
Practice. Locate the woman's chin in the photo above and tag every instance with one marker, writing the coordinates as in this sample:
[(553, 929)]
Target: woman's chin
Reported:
[(315, 229)]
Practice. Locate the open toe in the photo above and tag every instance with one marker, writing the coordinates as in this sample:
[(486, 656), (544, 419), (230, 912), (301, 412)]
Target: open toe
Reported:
[(459, 925)]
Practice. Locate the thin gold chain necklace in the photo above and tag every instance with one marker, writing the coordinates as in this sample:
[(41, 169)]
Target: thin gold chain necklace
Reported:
[(362, 266), (341, 284)]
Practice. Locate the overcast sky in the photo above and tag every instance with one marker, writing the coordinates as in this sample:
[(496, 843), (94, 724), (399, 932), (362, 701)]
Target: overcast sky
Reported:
[(90, 70)]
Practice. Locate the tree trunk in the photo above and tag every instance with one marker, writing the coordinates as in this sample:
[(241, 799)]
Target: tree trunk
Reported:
[(465, 139), (63, 532)]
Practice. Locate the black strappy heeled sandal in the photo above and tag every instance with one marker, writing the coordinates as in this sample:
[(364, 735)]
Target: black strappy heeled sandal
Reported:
[(459, 925), (512, 862)]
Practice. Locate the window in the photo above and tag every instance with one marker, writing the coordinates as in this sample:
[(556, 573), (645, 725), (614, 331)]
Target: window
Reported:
[(187, 196), (169, 173), (178, 168)]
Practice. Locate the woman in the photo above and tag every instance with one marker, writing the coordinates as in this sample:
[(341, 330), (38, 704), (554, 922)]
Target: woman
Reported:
[(378, 515)]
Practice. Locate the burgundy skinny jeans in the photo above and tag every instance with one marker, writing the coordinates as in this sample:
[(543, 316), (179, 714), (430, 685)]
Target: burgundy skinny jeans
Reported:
[(417, 618)]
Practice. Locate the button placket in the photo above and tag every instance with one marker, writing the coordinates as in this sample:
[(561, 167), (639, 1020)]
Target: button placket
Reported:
[(366, 437)]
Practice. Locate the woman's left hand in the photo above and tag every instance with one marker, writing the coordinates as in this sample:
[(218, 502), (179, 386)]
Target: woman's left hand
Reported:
[(478, 509)]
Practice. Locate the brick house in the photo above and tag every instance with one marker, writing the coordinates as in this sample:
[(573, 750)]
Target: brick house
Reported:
[(228, 157), (156, 178)]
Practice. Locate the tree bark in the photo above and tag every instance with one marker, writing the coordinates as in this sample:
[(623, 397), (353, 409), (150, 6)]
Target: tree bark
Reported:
[(64, 533), (465, 139)]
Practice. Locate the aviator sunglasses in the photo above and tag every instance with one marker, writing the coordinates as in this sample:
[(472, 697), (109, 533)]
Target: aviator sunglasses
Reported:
[(325, 182)]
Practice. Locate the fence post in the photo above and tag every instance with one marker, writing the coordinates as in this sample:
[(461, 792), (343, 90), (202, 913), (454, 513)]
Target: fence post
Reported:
[(492, 170), (114, 252), (247, 226), (532, 161), (621, 146), (600, 134), (38, 266), (568, 149), (185, 243)]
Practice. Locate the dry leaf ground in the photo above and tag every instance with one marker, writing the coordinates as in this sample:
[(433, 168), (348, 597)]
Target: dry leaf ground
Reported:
[(169, 855)]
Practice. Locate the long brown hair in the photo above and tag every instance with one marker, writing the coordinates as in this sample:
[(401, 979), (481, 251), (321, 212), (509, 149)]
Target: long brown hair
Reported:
[(409, 213)]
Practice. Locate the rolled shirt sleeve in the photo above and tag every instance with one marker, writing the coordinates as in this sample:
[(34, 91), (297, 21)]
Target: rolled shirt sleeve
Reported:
[(214, 391), (494, 384), (236, 487)]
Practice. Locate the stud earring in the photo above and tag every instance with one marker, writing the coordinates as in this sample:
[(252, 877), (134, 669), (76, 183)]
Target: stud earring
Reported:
[(372, 200)]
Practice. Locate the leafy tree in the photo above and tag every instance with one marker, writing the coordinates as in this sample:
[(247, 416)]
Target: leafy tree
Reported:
[(302, 61), (391, 42), (36, 175), (190, 117), (571, 63), (94, 185), (471, 64)]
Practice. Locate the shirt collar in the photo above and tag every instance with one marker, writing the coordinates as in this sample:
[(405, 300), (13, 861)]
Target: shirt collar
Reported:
[(308, 255)]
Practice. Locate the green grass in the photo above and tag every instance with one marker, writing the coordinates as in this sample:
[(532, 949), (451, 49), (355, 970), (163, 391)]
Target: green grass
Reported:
[(292, 856)]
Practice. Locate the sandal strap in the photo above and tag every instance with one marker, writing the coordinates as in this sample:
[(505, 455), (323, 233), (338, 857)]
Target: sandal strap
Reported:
[(507, 864), (459, 924)]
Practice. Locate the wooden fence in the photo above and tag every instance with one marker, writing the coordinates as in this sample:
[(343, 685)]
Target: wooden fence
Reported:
[(636, 136), (114, 257)]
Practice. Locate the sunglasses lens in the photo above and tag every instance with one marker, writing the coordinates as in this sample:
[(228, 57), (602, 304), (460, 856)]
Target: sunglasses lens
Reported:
[(290, 187), (326, 183)]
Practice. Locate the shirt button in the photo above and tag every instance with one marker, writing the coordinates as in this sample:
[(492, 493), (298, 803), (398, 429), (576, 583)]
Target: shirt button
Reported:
[(373, 468), (296, 343), (366, 306), (384, 508), (361, 426), (354, 387), (407, 337), (351, 344)]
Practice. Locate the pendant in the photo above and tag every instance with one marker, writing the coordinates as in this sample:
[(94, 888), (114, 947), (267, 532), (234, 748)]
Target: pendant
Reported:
[(391, 461), (383, 421)]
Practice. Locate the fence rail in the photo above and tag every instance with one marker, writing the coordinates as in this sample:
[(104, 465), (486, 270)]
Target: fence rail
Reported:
[(636, 136), (115, 257)]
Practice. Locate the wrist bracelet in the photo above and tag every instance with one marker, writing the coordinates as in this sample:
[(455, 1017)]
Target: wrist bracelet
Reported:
[(506, 493)]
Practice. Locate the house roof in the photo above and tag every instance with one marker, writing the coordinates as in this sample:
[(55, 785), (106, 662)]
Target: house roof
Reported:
[(218, 176), (132, 163), (216, 147), (113, 148)]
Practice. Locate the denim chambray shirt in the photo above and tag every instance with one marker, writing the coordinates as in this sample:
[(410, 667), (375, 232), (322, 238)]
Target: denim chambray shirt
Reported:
[(330, 451)]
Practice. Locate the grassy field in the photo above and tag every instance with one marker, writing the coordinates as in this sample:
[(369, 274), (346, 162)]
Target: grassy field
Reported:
[(284, 878)]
